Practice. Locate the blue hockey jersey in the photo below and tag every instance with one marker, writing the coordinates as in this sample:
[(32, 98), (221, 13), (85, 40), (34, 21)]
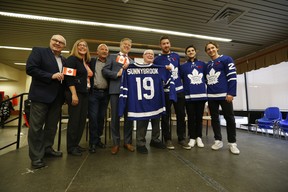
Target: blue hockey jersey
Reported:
[(142, 93), (221, 78), (193, 76), (167, 59)]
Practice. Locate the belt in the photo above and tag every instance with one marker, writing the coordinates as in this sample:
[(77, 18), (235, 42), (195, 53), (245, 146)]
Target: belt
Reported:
[(100, 90)]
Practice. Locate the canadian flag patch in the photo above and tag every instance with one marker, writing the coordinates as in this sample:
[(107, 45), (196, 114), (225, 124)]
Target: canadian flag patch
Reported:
[(69, 71), (121, 59)]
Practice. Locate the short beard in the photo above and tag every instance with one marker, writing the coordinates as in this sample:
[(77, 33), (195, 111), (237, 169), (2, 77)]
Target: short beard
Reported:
[(166, 52)]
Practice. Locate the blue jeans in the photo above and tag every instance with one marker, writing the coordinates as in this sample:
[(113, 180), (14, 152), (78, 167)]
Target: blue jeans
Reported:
[(98, 103)]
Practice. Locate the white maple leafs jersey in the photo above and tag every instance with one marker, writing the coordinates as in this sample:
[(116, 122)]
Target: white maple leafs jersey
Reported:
[(142, 93), (193, 76), (221, 78)]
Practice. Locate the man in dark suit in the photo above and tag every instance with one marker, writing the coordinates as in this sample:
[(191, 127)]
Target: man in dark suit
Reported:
[(113, 71), (46, 93)]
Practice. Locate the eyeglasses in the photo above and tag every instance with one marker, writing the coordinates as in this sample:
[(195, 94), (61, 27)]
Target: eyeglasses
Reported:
[(57, 41), (82, 45)]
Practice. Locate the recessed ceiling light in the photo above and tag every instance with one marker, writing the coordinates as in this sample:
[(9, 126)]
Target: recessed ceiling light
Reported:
[(118, 26)]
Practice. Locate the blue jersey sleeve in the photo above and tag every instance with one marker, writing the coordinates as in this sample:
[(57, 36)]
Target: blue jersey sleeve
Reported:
[(231, 75)]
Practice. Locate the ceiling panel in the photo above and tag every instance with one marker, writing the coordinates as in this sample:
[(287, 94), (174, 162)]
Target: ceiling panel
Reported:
[(262, 24)]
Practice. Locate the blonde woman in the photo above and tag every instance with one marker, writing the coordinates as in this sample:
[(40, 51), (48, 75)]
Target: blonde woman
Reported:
[(77, 95)]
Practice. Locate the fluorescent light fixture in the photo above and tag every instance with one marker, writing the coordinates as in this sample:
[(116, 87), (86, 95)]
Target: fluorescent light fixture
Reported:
[(20, 63), (17, 48), (118, 26), (24, 48), (3, 79)]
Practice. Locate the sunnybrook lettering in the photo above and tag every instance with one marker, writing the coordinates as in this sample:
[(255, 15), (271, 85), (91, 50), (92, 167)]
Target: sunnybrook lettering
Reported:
[(142, 71)]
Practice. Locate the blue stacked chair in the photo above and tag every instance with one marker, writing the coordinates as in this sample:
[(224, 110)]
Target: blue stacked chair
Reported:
[(268, 122), (283, 126)]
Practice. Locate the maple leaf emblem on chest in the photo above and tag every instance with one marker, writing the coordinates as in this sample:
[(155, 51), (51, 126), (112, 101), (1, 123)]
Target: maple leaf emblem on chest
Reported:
[(212, 77), (195, 77)]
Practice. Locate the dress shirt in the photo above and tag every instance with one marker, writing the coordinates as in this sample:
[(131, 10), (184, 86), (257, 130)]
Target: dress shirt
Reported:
[(99, 81)]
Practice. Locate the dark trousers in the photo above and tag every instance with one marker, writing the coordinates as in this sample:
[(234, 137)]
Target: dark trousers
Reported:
[(228, 113), (44, 118), (179, 107), (141, 131), (195, 110), (77, 120), (97, 108), (115, 122)]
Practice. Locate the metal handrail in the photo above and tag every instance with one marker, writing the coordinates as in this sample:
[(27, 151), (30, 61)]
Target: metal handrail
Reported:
[(17, 142)]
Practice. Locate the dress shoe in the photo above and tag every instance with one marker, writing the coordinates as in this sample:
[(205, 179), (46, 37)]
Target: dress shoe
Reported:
[(157, 144), (75, 152), (50, 152), (92, 149), (101, 145), (82, 149), (115, 149), (142, 149), (37, 164), (129, 147)]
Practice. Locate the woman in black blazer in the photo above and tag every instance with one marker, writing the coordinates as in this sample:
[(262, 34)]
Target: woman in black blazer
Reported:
[(77, 94)]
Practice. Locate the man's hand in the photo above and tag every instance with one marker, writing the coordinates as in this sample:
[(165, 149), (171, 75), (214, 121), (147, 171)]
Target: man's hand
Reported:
[(119, 74), (229, 98), (59, 76)]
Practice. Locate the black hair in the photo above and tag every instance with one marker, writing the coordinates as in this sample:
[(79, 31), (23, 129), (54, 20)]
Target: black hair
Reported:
[(189, 47), (163, 37)]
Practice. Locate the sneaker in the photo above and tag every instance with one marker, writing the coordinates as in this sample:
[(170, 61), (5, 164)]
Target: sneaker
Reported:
[(169, 145), (233, 148), (184, 144), (192, 142), (157, 144), (217, 145), (142, 149), (199, 142)]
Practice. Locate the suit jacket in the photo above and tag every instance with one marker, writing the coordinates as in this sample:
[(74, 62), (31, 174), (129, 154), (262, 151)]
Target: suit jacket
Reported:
[(110, 71), (41, 65)]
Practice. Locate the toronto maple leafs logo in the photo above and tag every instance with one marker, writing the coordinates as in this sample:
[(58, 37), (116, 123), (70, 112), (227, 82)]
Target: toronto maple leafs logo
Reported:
[(212, 77), (175, 73), (195, 77)]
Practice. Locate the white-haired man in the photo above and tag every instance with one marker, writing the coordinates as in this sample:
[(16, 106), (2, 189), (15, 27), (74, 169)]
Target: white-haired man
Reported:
[(46, 93)]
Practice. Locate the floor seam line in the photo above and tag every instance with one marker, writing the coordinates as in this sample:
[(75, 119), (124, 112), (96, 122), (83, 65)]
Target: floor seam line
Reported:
[(217, 186), (76, 173)]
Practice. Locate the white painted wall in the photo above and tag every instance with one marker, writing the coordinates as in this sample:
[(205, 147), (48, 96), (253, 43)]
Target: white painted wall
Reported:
[(18, 81)]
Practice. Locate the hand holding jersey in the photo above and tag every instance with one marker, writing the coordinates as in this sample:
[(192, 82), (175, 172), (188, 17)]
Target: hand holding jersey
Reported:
[(144, 79)]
